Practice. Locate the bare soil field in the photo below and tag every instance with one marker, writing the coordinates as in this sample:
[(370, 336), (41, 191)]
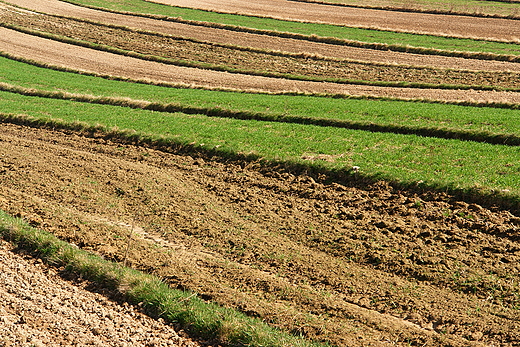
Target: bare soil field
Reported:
[(257, 41), (348, 262), (41, 308), (256, 62), (460, 26), (354, 265)]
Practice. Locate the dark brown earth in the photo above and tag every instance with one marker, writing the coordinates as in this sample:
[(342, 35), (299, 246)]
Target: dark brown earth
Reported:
[(353, 265)]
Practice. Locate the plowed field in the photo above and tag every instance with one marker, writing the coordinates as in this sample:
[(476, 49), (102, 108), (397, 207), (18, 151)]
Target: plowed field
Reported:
[(352, 265), (348, 262)]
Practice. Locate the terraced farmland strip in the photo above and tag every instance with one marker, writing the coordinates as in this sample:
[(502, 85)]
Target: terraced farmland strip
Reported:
[(112, 65), (488, 127), (474, 8), (199, 54), (263, 42), (359, 37), (482, 170), (314, 258), (460, 26)]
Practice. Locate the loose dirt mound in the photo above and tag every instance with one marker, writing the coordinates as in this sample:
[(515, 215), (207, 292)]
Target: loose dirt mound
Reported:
[(39, 308), (462, 26), (354, 266)]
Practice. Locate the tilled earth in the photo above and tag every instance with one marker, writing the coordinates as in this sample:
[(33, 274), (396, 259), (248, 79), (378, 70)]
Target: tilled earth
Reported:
[(353, 264), (40, 308), (215, 56)]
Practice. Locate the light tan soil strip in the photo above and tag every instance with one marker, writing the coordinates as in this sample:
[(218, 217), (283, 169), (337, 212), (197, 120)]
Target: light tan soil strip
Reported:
[(85, 59), (39, 308), (250, 62), (460, 26), (262, 41)]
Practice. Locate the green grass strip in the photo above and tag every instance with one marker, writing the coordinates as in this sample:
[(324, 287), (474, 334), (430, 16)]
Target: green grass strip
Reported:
[(465, 167), (501, 122), (351, 122), (391, 40), (198, 317), (273, 74)]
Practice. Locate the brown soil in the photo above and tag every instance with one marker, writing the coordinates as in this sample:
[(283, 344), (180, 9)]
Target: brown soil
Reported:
[(460, 26), (264, 42), (216, 56), (357, 266), (84, 59), (40, 308)]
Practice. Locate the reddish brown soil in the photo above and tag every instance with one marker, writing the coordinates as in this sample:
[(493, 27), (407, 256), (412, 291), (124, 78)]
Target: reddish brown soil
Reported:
[(356, 266), (461, 26), (263, 41)]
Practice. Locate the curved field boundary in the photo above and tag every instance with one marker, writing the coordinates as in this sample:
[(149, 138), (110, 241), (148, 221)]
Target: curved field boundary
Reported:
[(259, 73), (398, 8), (485, 137), (294, 36), (504, 29), (173, 50), (108, 64)]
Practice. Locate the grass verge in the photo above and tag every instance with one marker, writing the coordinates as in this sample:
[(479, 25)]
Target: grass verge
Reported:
[(198, 317)]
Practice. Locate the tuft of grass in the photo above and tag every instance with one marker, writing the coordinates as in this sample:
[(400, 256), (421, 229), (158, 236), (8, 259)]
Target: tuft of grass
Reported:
[(198, 317)]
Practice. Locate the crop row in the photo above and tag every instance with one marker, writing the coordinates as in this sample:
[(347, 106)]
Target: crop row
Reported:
[(326, 33), (472, 167), (179, 51)]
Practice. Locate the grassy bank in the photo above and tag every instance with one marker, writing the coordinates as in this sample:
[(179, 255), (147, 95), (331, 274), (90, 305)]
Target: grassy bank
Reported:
[(200, 318)]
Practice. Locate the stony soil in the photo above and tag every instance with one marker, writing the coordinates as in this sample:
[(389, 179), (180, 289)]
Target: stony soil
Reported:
[(41, 308), (354, 265)]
